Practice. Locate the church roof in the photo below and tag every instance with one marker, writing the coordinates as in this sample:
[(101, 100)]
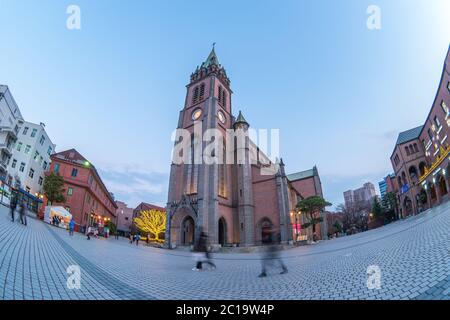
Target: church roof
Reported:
[(303, 174), (409, 135)]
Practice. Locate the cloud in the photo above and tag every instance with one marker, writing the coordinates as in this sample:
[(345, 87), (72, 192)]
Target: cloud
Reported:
[(134, 184)]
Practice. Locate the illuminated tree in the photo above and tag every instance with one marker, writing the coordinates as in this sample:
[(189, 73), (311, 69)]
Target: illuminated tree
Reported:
[(153, 222)]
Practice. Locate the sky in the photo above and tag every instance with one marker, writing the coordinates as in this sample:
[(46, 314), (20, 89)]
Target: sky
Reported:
[(338, 92)]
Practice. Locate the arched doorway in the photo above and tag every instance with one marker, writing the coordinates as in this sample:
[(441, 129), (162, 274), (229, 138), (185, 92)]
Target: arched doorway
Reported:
[(408, 206), (266, 231), (187, 231), (413, 174), (422, 167), (442, 187), (222, 231)]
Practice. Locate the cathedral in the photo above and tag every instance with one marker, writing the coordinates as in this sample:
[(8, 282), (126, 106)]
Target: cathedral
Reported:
[(237, 203)]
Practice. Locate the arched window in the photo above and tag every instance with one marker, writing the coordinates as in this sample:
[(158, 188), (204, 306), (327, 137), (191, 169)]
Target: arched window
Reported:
[(195, 95), (202, 91), (407, 150), (416, 149), (224, 98), (223, 171), (220, 94)]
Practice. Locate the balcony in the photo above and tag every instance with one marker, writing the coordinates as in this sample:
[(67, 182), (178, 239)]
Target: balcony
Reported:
[(12, 131), (6, 147)]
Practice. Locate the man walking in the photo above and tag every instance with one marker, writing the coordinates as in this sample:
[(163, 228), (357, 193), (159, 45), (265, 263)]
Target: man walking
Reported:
[(13, 206), (23, 213), (202, 254), (271, 255), (71, 226)]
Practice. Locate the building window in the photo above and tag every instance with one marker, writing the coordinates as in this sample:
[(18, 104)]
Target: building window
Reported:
[(36, 156), (69, 191), (74, 172), (14, 163), (33, 133), (437, 122), (45, 165), (407, 150), (195, 95), (27, 149), (416, 148), (202, 91), (31, 173), (56, 168), (22, 167), (444, 107), (448, 86), (49, 151), (19, 146), (28, 189), (40, 160), (40, 181), (25, 130), (42, 140), (430, 134)]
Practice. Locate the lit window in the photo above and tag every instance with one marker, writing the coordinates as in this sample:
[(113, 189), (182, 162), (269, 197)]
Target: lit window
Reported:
[(444, 107), (437, 122)]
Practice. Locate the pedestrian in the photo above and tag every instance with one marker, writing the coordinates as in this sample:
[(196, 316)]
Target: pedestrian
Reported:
[(138, 237), (89, 230), (201, 253), (116, 234), (13, 206), (23, 213), (271, 255), (71, 226), (131, 238), (148, 238)]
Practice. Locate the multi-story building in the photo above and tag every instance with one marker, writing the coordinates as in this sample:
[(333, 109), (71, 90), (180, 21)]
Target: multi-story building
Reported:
[(10, 121), (421, 156), (360, 196), (306, 184), (124, 218), (383, 187), (87, 198), (31, 157)]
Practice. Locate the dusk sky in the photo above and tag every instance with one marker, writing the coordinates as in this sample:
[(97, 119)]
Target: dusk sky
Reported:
[(339, 92)]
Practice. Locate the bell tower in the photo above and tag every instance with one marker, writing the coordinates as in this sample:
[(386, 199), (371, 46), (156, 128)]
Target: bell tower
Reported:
[(207, 106)]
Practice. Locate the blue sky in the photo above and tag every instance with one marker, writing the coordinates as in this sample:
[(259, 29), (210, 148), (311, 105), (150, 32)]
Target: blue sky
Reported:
[(339, 92)]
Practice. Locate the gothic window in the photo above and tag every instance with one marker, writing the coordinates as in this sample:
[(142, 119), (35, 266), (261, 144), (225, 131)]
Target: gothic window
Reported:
[(192, 167), (220, 94), (195, 95), (224, 98), (202, 91), (411, 150)]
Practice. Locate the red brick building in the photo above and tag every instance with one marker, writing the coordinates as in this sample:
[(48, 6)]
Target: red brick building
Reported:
[(421, 156), (87, 198), (124, 218)]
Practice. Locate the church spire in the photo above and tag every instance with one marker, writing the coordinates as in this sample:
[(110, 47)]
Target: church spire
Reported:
[(212, 58)]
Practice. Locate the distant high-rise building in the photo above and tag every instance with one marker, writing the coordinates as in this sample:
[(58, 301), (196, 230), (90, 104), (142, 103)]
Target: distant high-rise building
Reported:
[(363, 195), (383, 187)]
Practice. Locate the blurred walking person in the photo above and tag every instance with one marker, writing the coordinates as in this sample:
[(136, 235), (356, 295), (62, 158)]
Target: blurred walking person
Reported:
[(23, 213), (202, 254), (13, 206), (71, 226), (271, 255)]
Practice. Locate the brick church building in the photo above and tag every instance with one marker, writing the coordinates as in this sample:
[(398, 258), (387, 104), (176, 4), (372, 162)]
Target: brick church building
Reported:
[(234, 203)]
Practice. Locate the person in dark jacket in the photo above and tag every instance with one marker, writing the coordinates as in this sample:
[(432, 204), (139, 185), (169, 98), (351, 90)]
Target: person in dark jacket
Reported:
[(13, 206), (201, 253), (23, 213)]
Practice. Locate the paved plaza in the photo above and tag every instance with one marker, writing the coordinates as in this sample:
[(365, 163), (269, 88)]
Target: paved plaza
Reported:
[(413, 256)]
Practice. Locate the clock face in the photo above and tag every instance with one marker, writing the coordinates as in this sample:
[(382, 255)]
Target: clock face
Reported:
[(196, 114), (221, 117)]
